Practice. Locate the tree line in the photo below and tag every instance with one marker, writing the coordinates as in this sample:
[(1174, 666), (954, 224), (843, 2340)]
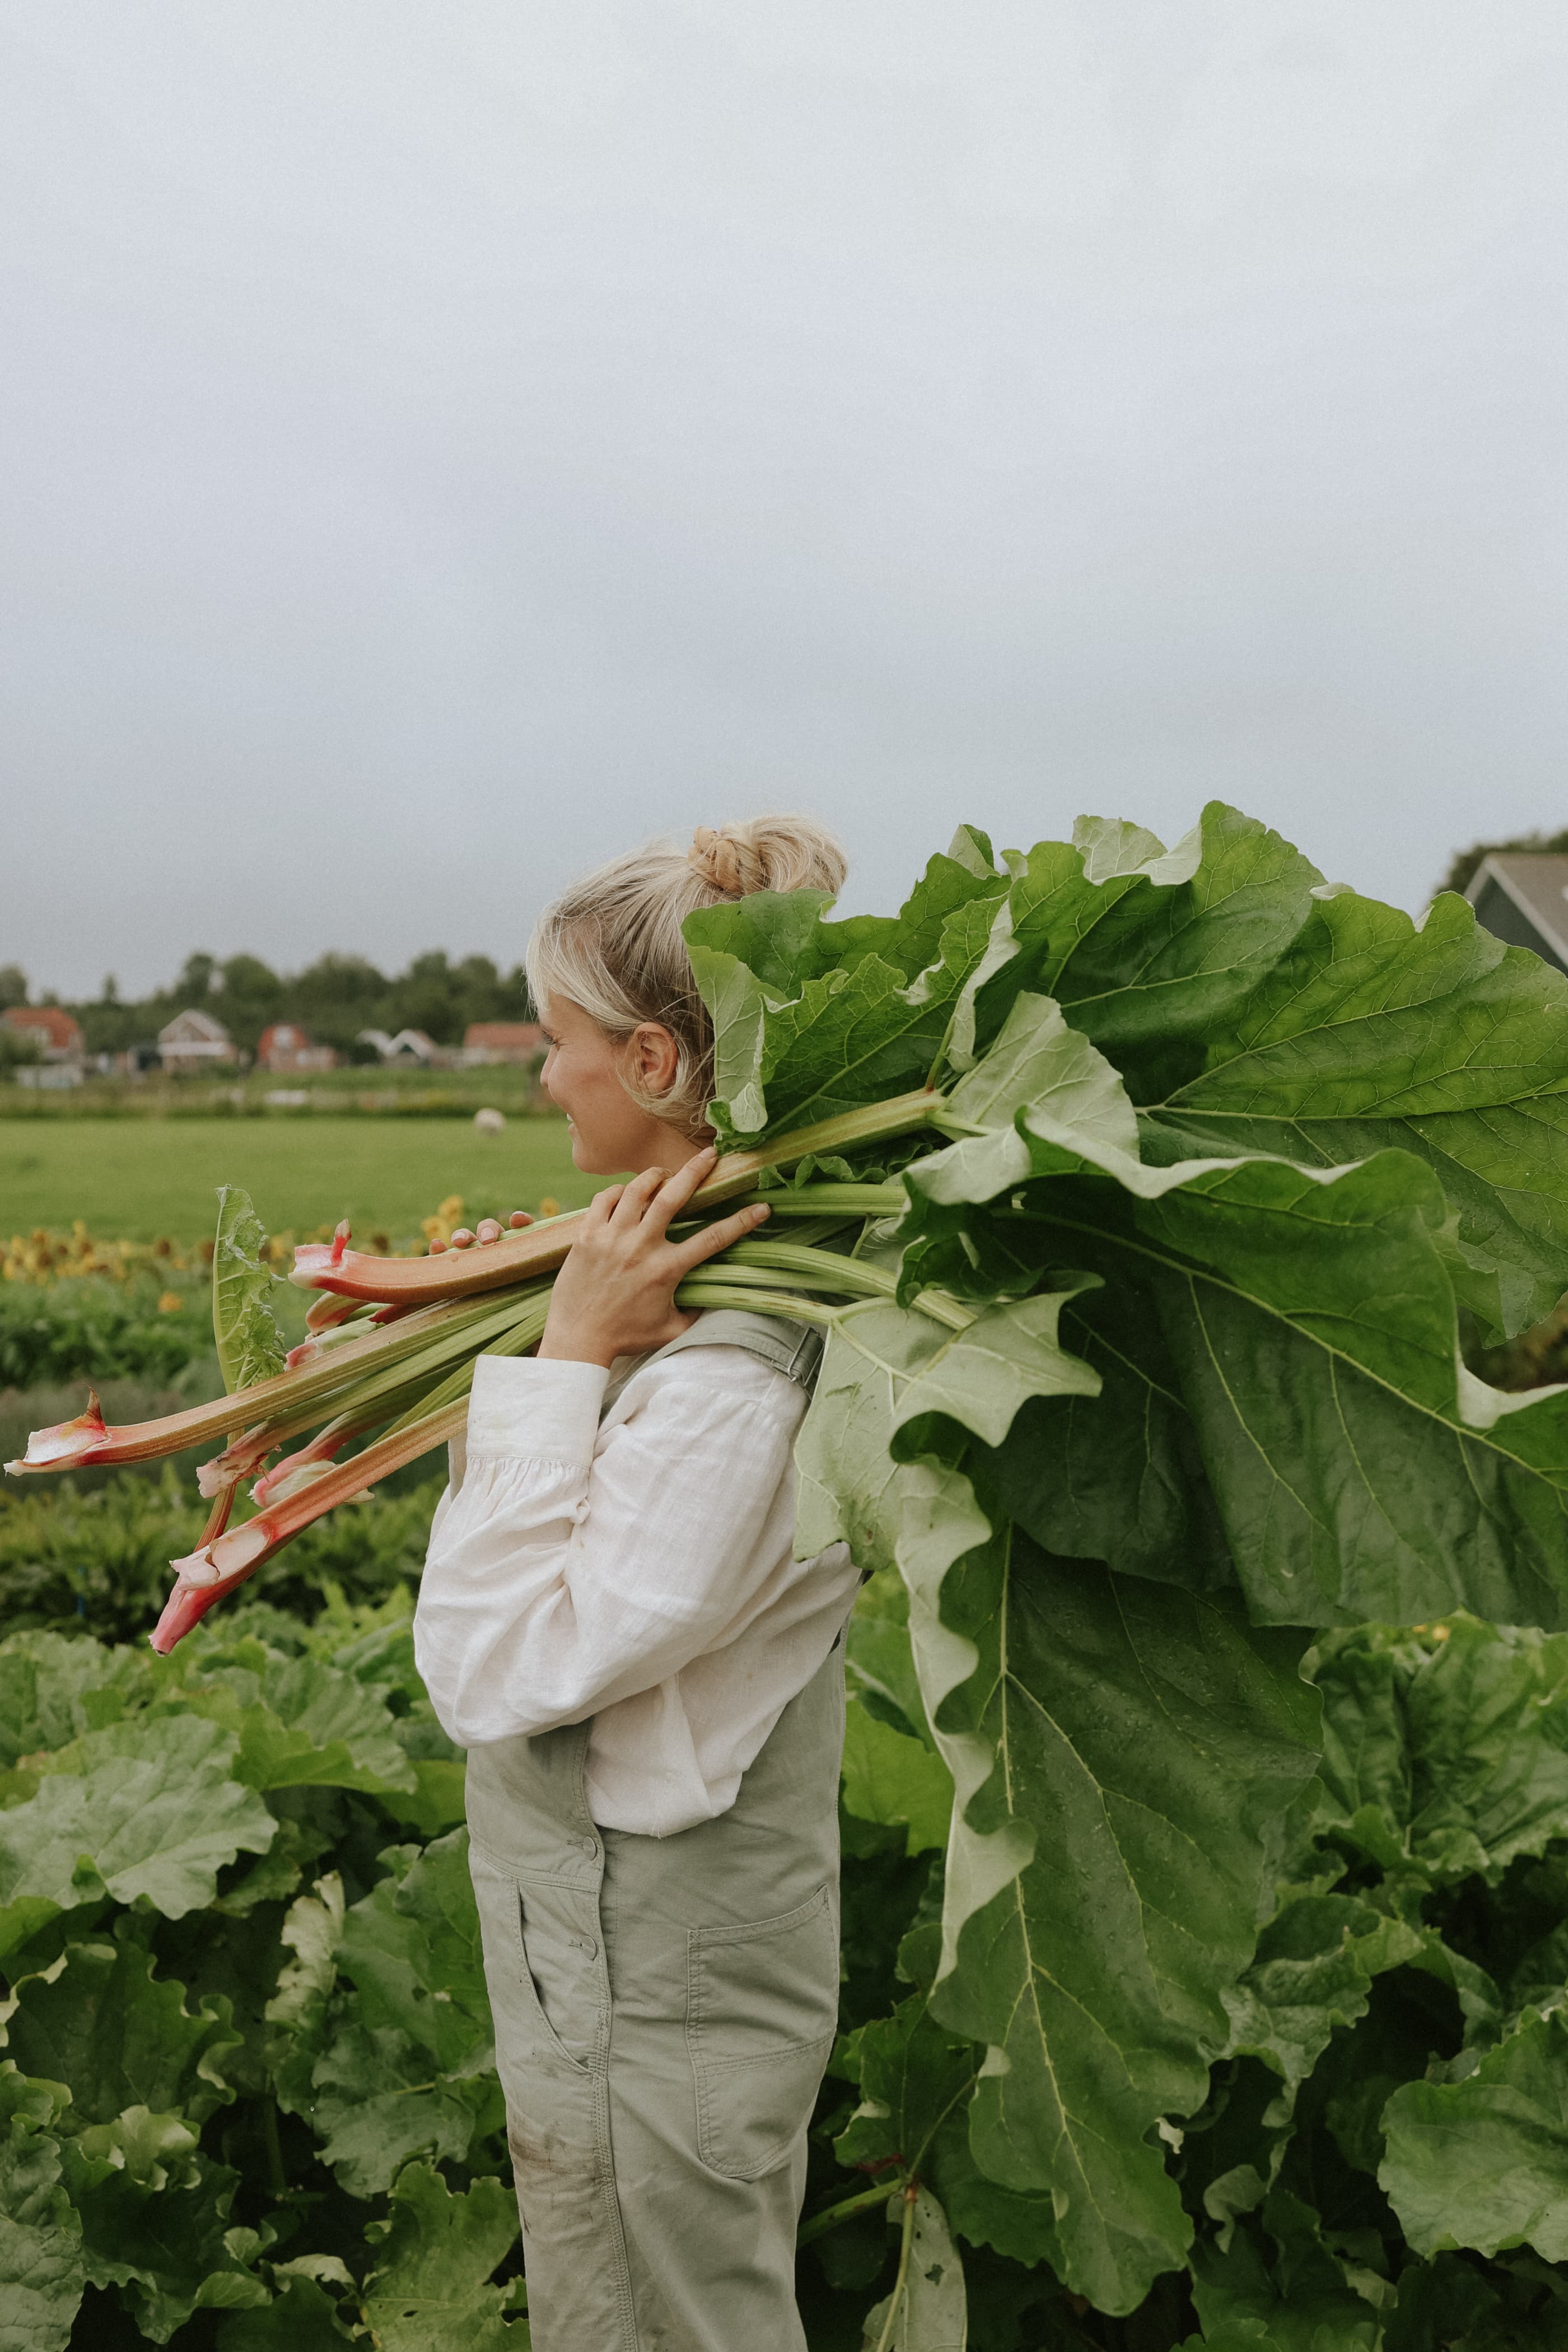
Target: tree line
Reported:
[(333, 999)]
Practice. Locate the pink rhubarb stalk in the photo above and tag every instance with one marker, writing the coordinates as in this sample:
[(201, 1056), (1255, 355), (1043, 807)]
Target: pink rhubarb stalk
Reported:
[(289, 1397), (457, 1274), (216, 1569), (68, 1441), (237, 1460), (320, 1452)]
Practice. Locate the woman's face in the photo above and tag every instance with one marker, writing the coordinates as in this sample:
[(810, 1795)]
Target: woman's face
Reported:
[(585, 1071)]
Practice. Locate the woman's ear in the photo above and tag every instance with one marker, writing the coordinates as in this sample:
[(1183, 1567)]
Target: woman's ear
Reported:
[(653, 1059)]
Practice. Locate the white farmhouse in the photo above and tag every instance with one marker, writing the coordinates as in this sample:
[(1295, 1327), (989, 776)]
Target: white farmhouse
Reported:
[(195, 1041)]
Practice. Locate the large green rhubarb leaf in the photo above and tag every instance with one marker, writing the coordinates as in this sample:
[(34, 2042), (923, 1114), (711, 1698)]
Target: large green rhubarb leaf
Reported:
[(1484, 2162), (149, 1809), (1312, 1971), (1371, 1030), (297, 2013), (47, 1683), (813, 1018), (41, 2271), (100, 2021), (157, 2224), (1254, 1008), (913, 2074), (1446, 1752), (1305, 1331), (1301, 2301), (1136, 1744), (892, 1779), (1151, 952), (887, 1372), (1358, 1471), (430, 2292), (374, 2102), (412, 1947), (927, 2311), (249, 1344), (403, 2064), (299, 1722), (1118, 1750), (303, 2320)]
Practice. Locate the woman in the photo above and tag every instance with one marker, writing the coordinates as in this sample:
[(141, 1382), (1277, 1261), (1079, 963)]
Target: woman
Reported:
[(649, 1684)]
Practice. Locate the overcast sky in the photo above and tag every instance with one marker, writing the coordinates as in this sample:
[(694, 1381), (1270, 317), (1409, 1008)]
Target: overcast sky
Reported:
[(442, 445)]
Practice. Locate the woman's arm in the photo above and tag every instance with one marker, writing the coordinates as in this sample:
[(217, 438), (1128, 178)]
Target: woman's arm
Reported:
[(576, 1567)]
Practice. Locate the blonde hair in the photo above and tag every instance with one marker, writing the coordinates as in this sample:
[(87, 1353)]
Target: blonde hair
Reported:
[(613, 944)]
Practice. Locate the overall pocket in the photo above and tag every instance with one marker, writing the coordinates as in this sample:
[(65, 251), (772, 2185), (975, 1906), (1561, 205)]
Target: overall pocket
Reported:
[(529, 1956), (761, 2007)]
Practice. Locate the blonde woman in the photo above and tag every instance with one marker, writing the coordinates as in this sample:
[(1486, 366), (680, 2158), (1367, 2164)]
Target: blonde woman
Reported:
[(649, 1684)]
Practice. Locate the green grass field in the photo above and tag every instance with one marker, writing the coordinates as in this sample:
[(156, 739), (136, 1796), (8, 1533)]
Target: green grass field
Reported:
[(138, 1179)]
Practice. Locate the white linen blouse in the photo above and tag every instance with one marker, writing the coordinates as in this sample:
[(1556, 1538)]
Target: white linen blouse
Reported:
[(637, 1569)]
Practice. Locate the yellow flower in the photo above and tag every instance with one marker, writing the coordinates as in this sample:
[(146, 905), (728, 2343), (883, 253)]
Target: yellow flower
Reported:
[(170, 1303)]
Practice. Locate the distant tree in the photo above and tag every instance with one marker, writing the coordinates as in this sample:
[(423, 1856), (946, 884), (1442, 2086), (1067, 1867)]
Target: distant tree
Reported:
[(1463, 864), (426, 997), (13, 985), (194, 983), (251, 997), (336, 997)]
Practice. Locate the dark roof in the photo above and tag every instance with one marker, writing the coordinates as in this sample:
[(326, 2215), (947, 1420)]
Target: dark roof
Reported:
[(1525, 900)]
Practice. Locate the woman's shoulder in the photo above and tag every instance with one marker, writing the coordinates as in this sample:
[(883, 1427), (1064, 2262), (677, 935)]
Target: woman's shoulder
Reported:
[(753, 1358)]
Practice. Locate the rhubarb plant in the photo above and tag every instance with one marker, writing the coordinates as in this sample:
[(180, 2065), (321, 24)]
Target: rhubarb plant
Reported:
[(1158, 1206)]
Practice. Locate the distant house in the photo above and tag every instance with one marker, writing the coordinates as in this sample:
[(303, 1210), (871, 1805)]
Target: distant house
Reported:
[(1524, 899), (408, 1045), (516, 1042), (195, 1041), (287, 1046), (56, 1039), (48, 1027)]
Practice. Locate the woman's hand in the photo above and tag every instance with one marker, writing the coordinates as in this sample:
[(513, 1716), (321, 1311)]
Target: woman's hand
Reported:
[(615, 1295)]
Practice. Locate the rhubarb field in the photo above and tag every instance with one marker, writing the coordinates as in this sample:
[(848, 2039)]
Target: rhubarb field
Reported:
[(1172, 1217)]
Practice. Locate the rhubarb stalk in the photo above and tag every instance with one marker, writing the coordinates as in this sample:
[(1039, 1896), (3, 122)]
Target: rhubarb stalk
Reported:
[(353, 1274)]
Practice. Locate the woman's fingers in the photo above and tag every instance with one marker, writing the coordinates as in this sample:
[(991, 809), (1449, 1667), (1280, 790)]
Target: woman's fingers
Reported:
[(676, 1191), (714, 1238), (632, 1206), (462, 1238), (488, 1230), (603, 1206), (518, 1217)]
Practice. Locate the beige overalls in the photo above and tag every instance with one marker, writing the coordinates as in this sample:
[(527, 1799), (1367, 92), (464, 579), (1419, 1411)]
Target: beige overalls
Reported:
[(664, 2010)]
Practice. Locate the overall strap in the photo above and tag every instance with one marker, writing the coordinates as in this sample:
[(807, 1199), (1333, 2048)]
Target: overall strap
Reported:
[(793, 1349)]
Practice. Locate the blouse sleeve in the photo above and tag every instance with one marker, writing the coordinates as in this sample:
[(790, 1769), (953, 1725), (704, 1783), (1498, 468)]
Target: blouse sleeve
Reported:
[(574, 1566)]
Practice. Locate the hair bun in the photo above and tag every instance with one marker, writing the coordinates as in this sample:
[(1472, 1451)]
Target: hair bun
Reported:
[(727, 861)]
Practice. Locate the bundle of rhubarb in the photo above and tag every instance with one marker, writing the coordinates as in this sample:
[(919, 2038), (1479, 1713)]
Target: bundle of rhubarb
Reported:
[(1155, 1205)]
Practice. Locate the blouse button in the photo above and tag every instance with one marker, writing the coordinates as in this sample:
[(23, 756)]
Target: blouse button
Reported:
[(590, 1846)]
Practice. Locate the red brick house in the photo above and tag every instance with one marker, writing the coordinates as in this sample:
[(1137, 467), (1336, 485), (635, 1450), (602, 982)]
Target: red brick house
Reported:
[(286, 1046), (49, 1027), (517, 1042)]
